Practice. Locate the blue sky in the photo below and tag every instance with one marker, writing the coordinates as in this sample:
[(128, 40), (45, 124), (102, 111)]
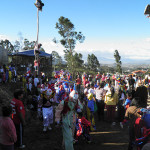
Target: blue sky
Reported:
[(106, 24)]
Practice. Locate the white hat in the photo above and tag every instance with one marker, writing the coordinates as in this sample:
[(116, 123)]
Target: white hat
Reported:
[(74, 95)]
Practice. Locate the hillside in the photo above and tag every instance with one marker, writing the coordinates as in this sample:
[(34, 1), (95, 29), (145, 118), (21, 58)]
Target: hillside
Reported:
[(7, 90)]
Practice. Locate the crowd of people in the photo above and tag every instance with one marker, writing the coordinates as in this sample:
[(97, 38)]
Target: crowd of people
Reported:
[(74, 104), (8, 74)]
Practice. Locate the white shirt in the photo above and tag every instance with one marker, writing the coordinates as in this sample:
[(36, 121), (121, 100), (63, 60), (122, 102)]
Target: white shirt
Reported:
[(122, 96), (36, 81), (1, 70), (30, 86), (91, 91)]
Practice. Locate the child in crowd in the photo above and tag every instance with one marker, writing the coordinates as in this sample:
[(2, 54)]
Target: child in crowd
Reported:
[(82, 127), (126, 106), (8, 131), (90, 111), (128, 101), (47, 109)]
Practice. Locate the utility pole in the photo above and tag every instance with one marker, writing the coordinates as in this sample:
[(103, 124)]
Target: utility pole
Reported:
[(39, 6)]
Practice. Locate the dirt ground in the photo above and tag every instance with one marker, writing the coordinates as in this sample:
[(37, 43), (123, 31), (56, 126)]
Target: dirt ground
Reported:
[(106, 137)]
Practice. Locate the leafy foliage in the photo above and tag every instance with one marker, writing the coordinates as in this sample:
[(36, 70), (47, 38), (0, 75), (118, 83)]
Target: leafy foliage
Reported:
[(16, 46), (93, 63), (69, 38), (57, 60), (30, 45), (118, 61), (6, 44)]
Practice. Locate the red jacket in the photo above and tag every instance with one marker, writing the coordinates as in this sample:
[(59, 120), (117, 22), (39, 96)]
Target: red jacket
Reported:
[(17, 107), (85, 122)]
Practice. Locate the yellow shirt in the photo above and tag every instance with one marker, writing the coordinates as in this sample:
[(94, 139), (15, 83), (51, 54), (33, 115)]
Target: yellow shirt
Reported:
[(111, 100)]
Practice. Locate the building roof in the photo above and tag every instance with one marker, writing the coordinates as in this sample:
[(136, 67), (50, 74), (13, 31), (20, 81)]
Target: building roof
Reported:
[(139, 72), (30, 53)]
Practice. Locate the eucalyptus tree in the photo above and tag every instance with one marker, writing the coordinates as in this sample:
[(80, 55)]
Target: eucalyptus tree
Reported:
[(69, 39), (93, 63), (29, 45), (17, 46), (118, 61), (57, 60), (6, 44), (78, 62)]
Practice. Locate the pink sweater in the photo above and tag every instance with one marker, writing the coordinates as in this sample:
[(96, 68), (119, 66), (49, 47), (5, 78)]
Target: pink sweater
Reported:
[(7, 131)]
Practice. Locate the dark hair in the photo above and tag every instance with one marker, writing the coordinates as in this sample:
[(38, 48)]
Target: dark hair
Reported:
[(81, 96), (109, 82), (112, 91), (88, 85), (6, 110), (92, 84), (17, 93), (136, 102), (102, 85), (80, 114), (129, 95), (141, 92)]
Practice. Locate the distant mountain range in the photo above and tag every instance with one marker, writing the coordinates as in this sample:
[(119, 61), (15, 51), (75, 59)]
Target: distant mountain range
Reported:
[(108, 58), (123, 60)]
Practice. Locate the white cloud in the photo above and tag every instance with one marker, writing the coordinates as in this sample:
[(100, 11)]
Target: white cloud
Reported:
[(147, 39), (4, 37), (135, 48), (50, 46), (139, 57), (131, 48)]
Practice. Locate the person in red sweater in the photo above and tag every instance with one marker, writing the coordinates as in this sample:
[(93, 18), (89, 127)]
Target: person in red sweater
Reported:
[(7, 129), (18, 116)]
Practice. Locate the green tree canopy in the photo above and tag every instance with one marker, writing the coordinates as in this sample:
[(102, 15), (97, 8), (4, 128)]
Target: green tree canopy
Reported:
[(28, 45), (57, 60), (118, 61), (69, 38), (17, 46), (6, 44), (93, 63), (68, 33)]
